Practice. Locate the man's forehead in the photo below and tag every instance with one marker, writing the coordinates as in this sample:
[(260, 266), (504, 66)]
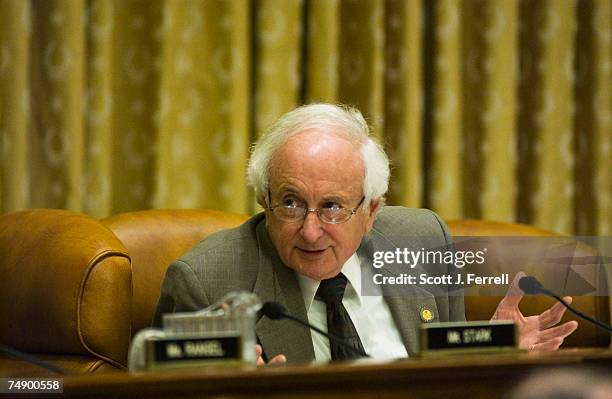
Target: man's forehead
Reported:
[(319, 148), (318, 162)]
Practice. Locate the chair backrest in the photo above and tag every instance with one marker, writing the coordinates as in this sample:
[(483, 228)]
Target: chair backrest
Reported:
[(65, 289), (155, 238), (483, 307)]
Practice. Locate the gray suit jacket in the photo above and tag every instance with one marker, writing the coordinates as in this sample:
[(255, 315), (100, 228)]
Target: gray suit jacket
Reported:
[(244, 258)]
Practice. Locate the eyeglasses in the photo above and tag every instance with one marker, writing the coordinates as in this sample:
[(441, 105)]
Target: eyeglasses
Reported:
[(296, 212)]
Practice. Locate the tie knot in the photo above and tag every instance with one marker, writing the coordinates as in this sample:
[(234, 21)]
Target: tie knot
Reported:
[(332, 290)]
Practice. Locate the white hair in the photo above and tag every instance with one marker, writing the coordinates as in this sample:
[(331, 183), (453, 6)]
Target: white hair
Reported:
[(346, 120)]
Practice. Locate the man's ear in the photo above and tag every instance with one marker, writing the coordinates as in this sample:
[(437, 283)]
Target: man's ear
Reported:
[(262, 203), (267, 214), (371, 214)]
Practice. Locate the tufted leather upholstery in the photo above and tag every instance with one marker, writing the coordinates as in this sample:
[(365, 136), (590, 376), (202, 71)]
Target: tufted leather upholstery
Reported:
[(155, 238), (483, 307), (65, 291)]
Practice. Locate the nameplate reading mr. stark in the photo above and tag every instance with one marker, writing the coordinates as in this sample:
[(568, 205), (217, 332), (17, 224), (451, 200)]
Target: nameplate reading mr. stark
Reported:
[(192, 351), (444, 338)]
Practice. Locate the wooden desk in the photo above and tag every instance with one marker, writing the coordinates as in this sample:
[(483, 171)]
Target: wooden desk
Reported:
[(471, 376)]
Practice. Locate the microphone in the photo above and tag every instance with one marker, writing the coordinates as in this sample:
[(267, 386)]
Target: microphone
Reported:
[(26, 357), (531, 286), (276, 311)]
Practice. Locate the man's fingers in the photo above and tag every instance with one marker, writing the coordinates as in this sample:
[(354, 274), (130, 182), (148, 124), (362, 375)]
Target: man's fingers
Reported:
[(553, 315), (561, 331), (258, 353), (278, 360)]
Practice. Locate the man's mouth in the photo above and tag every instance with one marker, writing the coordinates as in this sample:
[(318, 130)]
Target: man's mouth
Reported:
[(312, 251)]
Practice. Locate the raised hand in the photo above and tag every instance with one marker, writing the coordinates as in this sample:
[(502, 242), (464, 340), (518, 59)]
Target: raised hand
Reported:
[(538, 332)]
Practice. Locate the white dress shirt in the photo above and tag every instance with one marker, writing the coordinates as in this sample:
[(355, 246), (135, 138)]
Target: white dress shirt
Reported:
[(370, 315)]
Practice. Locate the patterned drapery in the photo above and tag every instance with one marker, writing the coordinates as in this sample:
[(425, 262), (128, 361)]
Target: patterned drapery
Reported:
[(492, 109)]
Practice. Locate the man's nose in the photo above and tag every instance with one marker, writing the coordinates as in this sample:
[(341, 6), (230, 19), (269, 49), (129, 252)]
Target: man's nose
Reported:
[(311, 227)]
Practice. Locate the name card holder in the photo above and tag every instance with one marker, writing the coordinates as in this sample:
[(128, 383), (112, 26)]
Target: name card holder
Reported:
[(468, 337), (194, 350)]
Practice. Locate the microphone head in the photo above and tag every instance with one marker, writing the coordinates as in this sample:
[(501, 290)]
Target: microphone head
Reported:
[(530, 285), (274, 310)]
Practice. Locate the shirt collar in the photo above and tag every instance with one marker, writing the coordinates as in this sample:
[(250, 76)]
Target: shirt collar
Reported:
[(352, 271)]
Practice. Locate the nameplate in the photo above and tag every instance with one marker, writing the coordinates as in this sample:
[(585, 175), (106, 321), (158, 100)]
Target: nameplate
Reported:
[(193, 351), (470, 336)]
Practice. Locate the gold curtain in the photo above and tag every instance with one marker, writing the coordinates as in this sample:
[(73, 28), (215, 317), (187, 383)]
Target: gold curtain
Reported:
[(492, 109)]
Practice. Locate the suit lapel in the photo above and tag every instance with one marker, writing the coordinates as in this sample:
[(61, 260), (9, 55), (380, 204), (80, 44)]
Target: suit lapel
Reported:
[(407, 319), (276, 282)]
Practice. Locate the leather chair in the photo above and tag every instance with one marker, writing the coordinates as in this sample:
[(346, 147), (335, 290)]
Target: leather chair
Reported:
[(155, 238), (483, 307), (73, 290), (65, 292)]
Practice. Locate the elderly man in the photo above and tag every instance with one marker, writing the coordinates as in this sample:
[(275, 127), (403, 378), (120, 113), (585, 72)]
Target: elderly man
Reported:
[(321, 179)]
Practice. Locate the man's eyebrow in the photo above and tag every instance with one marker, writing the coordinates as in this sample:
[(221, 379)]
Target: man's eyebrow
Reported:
[(288, 190), (334, 198)]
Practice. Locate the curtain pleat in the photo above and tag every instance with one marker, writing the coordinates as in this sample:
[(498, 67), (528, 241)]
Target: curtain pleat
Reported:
[(545, 123), (404, 101), (489, 96), (15, 36), (135, 79), (322, 55), (278, 37), (361, 63), (593, 119), (498, 113), (444, 144), (98, 173), (204, 113), (56, 131)]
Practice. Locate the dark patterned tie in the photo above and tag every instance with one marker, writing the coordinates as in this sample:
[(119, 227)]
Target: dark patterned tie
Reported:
[(339, 322)]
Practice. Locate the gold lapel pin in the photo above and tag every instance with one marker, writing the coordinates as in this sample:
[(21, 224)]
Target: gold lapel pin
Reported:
[(426, 314)]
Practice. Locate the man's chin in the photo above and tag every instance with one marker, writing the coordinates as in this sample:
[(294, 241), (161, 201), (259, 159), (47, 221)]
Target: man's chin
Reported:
[(318, 272)]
